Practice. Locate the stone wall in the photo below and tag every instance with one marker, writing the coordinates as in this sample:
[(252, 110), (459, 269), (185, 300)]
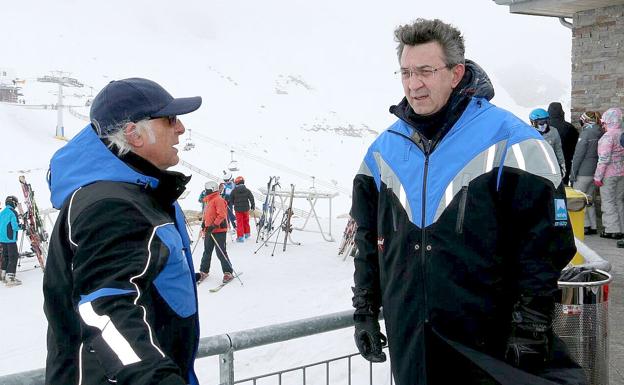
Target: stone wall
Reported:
[(597, 60)]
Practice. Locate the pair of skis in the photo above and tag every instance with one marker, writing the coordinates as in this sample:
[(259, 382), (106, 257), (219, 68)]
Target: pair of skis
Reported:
[(222, 284), (33, 224), (347, 245), (265, 224)]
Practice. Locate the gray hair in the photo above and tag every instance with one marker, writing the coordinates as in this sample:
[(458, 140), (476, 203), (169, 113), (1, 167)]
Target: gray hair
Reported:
[(424, 31), (117, 136)]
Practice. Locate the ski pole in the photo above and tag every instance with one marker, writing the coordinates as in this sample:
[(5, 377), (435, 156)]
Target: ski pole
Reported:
[(196, 243), (226, 258)]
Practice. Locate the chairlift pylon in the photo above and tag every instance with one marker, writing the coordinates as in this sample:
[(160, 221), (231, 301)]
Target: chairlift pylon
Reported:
[(233, 166)]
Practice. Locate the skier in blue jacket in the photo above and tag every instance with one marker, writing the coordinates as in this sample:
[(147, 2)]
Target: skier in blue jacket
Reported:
[(9, 226)]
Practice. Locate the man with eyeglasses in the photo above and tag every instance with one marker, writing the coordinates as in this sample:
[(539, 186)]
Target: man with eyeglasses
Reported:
[(119, 287), (462, 230)]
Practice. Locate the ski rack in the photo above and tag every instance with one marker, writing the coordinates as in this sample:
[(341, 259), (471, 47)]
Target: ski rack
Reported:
[(285, 224), (258, 197), (312, 197)]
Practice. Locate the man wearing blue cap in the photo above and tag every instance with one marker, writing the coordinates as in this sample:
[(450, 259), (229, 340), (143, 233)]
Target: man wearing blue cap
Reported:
[(119, 288)]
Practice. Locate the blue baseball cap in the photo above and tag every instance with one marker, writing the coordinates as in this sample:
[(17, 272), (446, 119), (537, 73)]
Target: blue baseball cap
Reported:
[(136, 99)]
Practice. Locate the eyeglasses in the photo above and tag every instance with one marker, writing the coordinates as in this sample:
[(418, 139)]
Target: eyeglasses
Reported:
[(172, 119), (422, 73)]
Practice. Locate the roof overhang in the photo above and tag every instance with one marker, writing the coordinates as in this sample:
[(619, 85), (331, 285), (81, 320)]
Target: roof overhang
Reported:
[(555, 8)]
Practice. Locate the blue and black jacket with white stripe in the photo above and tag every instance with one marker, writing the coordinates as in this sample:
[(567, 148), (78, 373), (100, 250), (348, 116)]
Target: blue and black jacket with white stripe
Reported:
[(452, 232), (119, 287)]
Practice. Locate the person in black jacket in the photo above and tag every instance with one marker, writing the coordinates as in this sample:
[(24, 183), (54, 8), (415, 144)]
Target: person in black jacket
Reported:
[(568, 133), (243, 201), (119, 287), (462, 230)]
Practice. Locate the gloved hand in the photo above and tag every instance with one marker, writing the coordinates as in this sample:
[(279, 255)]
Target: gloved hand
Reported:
[(210, 228), (598, 183), (368, 337), (528, 344)]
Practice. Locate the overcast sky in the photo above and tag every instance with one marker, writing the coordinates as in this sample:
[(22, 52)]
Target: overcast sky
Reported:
[(348, 44)]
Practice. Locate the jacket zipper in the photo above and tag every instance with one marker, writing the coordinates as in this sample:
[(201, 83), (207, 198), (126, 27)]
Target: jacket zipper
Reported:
[(459, 228), (427, 148)]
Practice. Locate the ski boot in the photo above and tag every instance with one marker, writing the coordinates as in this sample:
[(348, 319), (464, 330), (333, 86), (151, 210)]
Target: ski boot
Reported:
[(12, 281), (240, 239), (200, 277), (227, 277), (247, 235)]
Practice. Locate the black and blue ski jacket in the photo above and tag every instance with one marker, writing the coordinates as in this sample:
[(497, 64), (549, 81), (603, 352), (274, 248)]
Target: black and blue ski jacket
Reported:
[(119, 286), (452, 232)]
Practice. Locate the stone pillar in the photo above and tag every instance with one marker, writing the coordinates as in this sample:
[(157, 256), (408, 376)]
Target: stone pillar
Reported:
[(597, 60)]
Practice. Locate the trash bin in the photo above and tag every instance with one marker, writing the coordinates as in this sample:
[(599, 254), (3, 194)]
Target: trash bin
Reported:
[(581, 320), (577, 201)]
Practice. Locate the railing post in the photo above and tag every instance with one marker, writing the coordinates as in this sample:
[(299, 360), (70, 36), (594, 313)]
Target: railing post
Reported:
[(226, 368)]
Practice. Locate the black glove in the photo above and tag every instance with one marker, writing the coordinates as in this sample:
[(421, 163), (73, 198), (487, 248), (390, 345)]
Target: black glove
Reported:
[(368, 337), (210, 228), (528, 346)]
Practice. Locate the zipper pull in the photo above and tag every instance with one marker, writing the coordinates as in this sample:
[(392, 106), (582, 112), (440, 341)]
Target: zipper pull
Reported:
[(427, 146)]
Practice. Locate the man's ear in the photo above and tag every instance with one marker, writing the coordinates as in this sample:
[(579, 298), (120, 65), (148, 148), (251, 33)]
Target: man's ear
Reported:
[(458, 73), (134, 138)]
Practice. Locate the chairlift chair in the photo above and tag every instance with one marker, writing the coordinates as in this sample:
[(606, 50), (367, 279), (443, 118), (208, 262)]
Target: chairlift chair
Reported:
[(188, 145), (233, 166)]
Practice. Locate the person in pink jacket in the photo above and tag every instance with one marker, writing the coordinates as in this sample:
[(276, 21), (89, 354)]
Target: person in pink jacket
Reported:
[(609, 175)]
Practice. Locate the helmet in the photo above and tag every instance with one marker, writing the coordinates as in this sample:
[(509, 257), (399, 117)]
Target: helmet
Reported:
[(239, 180), (211, 186), (11, 201), (227, 176), (538, 114)]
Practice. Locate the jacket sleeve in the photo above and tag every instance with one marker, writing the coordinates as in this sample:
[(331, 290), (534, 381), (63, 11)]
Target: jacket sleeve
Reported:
[(559, 152), (364, 212), (221, 209), (605, 146), (579, 154), (117, 254), (14, 224), (252, 202), (537, 239)]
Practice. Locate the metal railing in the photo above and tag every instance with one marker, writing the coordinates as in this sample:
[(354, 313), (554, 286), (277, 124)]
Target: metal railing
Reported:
[(224, 345)]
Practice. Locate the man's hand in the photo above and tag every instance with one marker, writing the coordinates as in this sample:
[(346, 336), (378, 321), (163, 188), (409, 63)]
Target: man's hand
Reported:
[(369, 339), (598, 183), (210, 228)]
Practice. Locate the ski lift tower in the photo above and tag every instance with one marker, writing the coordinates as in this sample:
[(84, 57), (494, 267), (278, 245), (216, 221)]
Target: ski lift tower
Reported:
[(62, 80)]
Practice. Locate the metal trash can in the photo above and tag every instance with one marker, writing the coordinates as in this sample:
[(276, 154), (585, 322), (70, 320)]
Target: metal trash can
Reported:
[(581, 320)]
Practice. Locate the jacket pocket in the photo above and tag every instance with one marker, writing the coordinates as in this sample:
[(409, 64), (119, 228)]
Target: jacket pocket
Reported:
[(461, 211)]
